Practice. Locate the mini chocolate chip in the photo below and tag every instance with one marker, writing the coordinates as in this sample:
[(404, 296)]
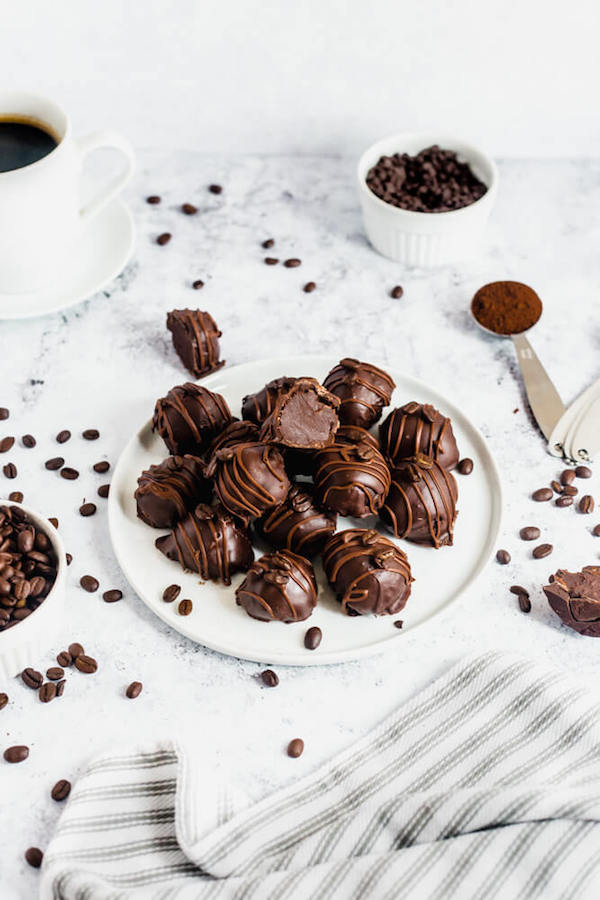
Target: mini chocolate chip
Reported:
[(16, 754), (189, 209), (34, 857), (89, 583), (28, 441), (198, 284), (15, 497), (63, 436), (542, 550), (529, 533), (465, 466), (292, 263), (583, 472), (396, 292), (271, 261), (6, 444), (61, 790), (313, 638), (586, 504), (57, 462), (163, 239), (295, 748), (75, 649), (153, 200), (112, 596), (503, 557), (269, 678), (542, 494), (86, 664), (185, 607), (101, 467), (309, 287), (171, 593), (69, 474), (215, 188), (134, 690), (103, 491), (10, 470), (87, 509)]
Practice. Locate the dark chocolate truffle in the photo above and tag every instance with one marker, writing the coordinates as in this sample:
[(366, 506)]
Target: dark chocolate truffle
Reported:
[(368, 573), (351, 479), (189, 418), (249, 478), (418, 428), (421, 503), (257, 407), (279, 586), (575, 598), (304, 416), (354, 434), (195, 339), (210, 542), (298, 524), (235, 433), (363, 390), (166, 492)]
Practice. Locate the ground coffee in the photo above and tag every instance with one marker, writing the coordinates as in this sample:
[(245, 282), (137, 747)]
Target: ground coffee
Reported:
[(506, 307)]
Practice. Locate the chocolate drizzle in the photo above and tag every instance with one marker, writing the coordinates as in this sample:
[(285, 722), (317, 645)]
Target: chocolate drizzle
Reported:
[(421, 503), (257, 407), (235, 433), (368, 573), (351, 479), (418, 428), (189, 417), (196, 340), (363, 390), (279, 586), (298, 524), (249, 478), (166, 492)]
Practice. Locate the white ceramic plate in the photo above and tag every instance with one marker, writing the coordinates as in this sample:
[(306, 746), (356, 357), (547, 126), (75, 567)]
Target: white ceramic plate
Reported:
[(102, 251), (441, 576)]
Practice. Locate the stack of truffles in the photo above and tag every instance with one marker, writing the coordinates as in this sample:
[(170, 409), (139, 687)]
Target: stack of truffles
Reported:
[(301, 455)]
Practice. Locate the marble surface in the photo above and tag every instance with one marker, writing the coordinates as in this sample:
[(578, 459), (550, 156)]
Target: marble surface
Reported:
[(102, 364)]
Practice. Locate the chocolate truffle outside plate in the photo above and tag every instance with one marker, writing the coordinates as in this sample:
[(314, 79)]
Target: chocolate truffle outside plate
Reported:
[(441, 576)]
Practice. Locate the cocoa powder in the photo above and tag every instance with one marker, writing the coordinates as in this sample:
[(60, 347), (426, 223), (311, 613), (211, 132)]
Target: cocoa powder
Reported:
[(506, 307)]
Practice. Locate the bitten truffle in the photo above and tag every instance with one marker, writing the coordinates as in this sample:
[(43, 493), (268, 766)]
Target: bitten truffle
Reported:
[(210, 542), (575, 598), (166, 492), (421, 503), (363, 390), (351, 479), (368, 573), (195, 339), (305, 416), (249, 478), (418, 428), (298, 524), (257, 407), (189, 418), (280, 586)]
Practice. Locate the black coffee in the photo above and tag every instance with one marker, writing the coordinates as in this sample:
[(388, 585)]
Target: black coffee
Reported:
[(23, 142)]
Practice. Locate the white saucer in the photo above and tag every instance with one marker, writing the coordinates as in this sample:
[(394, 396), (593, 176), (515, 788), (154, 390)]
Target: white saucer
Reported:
[(442, 576), (102, 252)]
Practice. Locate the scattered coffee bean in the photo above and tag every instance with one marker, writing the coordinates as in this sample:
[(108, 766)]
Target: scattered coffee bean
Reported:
[(89, 584), (185, 607), (69, 558), (28, 441), (3, 700), (6, 444), (63, 436), (529, 533), (53, 521), (60, 687), (542, 550), (4, 413), (268, 243), (189, 209), (134, 690), (271, 261), (55, 673), (313, 638), (69, 474), (396, 292), (87, 509), (583, 472), (503, 557), (292, 263), (76, 650), (556, 486), (90, 434), (569, 490), (465, 466), (295, 748), (57, 462), (153, 200), (398, 623), (309, 287), (112, 596), (541, 495), (86, 664), (586, 504), (518, 589), (47, 692), (103, 491), (563, 501), (524, 603), (171, 593), (16, 754), (269, 678), (10, 470), (198, 284), (61, 790), (15, 497), (64, 658), (163, 239), (596, 531), (215, 188), (32, 678), (101, 467), (567, 476), (34, 857)]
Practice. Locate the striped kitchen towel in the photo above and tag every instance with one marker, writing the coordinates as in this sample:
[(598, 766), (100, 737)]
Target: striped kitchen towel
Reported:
[(485, 785)]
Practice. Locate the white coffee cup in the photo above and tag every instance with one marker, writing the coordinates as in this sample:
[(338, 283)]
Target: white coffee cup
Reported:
[(41, 211)]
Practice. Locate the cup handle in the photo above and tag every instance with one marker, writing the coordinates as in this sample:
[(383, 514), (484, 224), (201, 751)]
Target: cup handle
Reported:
[(114, 140)]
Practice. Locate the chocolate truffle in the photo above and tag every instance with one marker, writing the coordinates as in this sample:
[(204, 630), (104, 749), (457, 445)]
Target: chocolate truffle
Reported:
[(195, 339), (418, 428), (166, 492), (209, 541), (298, 524), (368, 573), (235, 433), (363, 390), (304, 416), (354, 434), (249, 478), (189, 418), (351, 479), (257, 407), (280, 586), (575, 598), (421, 503)]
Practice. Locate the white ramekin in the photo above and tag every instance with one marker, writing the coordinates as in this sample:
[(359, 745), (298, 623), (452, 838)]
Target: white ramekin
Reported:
[(426, 239), (24, 644)]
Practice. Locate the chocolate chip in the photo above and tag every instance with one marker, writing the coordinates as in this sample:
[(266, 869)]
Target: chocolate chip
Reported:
[(57, 462), (61, 790), (503, 557), (6, 444), (583, 472), (313, 638), (567, 476), (75, 649), (34, 857), (134, 690), (542, 494), (295, 748), (28, 441), (309, 287), (32, 678), (556, 487), (103, 491), (163, 239), (63, 436), (3, 700), (16, 754), (47, 692), (396, 292), (101, 467), (153, 200), (86, 664), (215, 188), (596, 531), (189, 209), (542, 550), (69, 474), (171, 593), (292, 263), (465, 466), (112, 596), (529, 533), (90, 434), (198, 284), (271, 261), (185, 607), (10, 470), (87, 509), (55, 673), (563, 501), (586, 504), (89, 583), (4, 413), (268, 243), (15, 497), (269, 678), (64, 658)]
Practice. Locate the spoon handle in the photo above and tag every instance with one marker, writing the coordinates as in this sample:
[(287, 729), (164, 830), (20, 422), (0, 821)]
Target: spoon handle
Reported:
[(546, 405)]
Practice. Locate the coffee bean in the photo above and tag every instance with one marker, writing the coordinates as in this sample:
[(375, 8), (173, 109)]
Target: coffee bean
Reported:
[(567, 476), (215, 188), (34, 857), (53, 521), (292, 263), (57, 462), (465, 466), (503, 557), (3, 700), (596, 531), (55, 673), (16, 754), (271, 261), (313, 638), (396, 292), (60, 687), (269, 678), (163, 239), (25, 541), (10, 470), (268, 243), (583, 472), (295, 748), (47, 692), (75, 649), (4, 413), (542, 550), (517, 589), (89, 583), (63, 436), (69, 474), (586, 504), (112, 596), (529, 533), (171, 593), (37, 586), (198, 284), (189, 209), (15, 497), (101, 467), (103, 491), (398, 623), (64, 658), (524, 603), (6, 444), (87, 509), (61, 790), (309, 287), (90, 434), (541, 495), (563, 501), (86, 664), (134, 690), (185, 607), (153, 200), (28, 441), (556, 486), (569, 490), (32, 678)]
